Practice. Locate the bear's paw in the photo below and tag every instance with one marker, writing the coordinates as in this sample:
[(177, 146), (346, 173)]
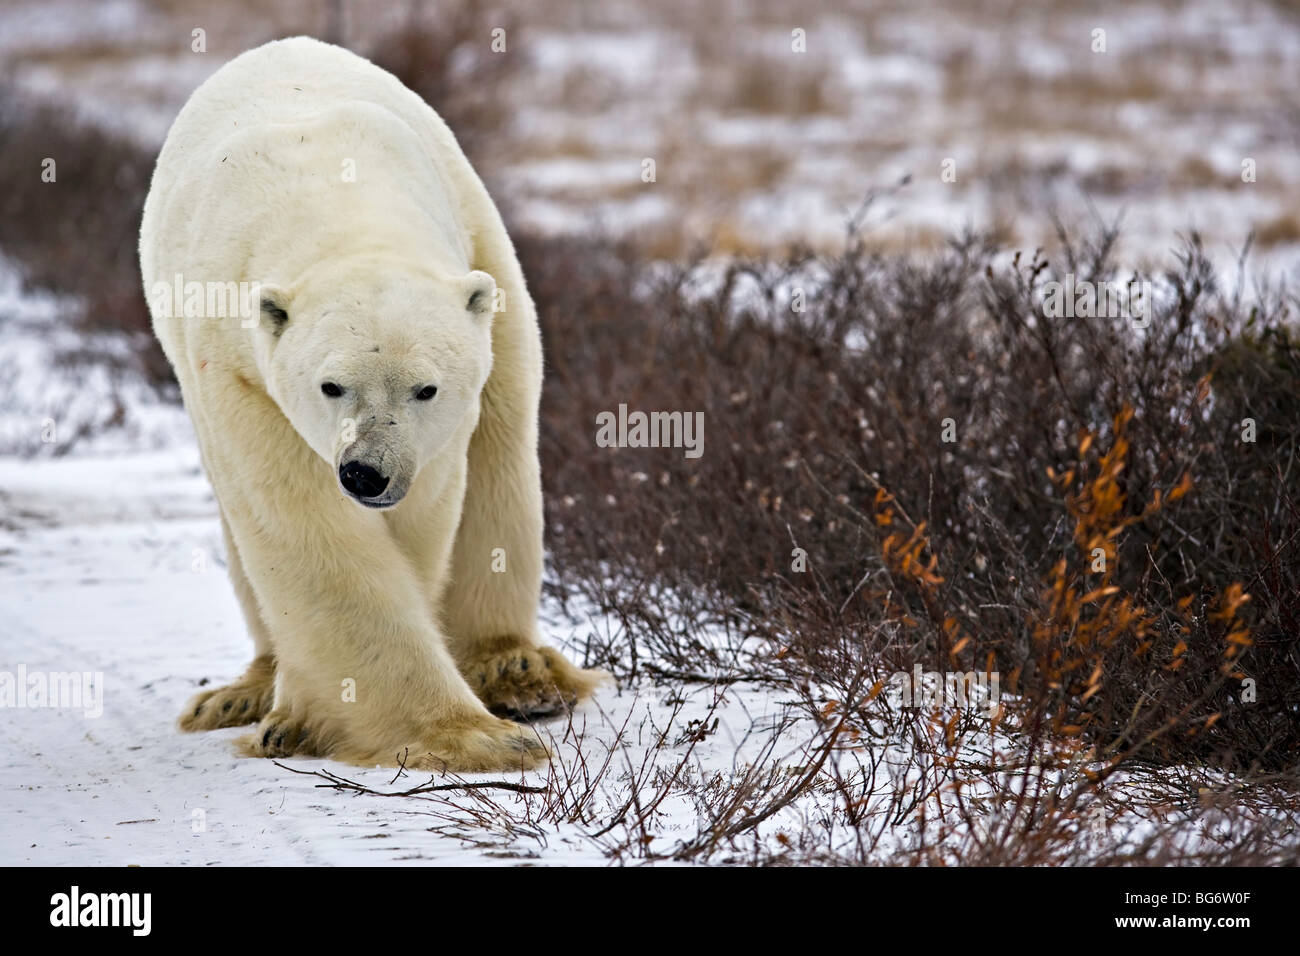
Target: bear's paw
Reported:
[(280, 734), (529, 682), (492, 745), (246, 701)]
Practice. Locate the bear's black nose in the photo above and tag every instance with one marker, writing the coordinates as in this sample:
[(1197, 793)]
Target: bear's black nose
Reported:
[(362, 481)]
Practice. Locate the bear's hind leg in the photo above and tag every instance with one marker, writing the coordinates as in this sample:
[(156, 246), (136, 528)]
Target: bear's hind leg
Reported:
[(491, 611), (523, 681), (248, 699), (257, 628)]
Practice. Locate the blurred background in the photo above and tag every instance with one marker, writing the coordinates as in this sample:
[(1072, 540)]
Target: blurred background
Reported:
[(920, 169), (1039, 114)]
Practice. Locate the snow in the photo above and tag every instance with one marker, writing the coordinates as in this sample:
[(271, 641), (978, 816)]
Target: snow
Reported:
[(50, 402), (55, 23), (112, 566)]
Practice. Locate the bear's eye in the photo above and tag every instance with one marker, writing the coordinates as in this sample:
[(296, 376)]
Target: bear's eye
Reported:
[(332, 390), (427, 393)]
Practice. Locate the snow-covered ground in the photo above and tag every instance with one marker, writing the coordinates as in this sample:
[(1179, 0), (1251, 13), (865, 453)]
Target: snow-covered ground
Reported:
[(62, 388), (112, 566)]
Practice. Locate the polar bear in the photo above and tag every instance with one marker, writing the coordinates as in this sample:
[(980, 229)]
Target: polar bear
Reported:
[(368, 422)]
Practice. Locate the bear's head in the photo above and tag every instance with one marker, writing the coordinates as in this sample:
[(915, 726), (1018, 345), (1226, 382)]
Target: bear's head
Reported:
[(379, 367)]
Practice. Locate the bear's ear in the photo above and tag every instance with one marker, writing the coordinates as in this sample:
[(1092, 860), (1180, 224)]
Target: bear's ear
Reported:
[(480, 293), (275, 307)]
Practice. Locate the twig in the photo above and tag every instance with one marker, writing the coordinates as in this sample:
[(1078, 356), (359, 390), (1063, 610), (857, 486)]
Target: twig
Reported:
[(342, 783)]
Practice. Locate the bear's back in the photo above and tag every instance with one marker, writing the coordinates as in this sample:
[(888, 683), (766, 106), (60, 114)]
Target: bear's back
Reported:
[(288, 148), (284, 82)]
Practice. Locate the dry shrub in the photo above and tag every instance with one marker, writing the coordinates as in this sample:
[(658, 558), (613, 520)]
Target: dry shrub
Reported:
[(448, 59), (1072, 433), (78, 235), (1111, 660)]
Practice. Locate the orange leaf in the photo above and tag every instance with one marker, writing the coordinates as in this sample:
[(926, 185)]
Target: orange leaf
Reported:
[(1183, 487)]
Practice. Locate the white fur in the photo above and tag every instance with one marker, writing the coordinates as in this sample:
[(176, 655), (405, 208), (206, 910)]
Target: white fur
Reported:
[(387, 282)]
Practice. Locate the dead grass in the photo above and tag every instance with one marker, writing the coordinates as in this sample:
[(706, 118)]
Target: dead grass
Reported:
[(77, 235), (779, 85), (1281, 229), (1170, 671)]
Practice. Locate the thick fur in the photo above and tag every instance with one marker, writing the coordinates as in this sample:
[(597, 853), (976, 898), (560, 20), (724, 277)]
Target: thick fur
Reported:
[(383, 283)]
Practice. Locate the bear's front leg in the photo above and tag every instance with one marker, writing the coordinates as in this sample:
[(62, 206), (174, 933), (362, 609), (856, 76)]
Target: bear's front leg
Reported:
[(362, 674), (404, 707)]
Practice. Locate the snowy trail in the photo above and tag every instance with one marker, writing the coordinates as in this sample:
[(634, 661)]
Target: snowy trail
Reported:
[(113, 565), (110, 566)]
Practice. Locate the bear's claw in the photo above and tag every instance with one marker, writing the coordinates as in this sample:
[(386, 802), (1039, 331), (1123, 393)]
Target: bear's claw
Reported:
[(245, 701), (279, 735), (488, 745), (529, 682)]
